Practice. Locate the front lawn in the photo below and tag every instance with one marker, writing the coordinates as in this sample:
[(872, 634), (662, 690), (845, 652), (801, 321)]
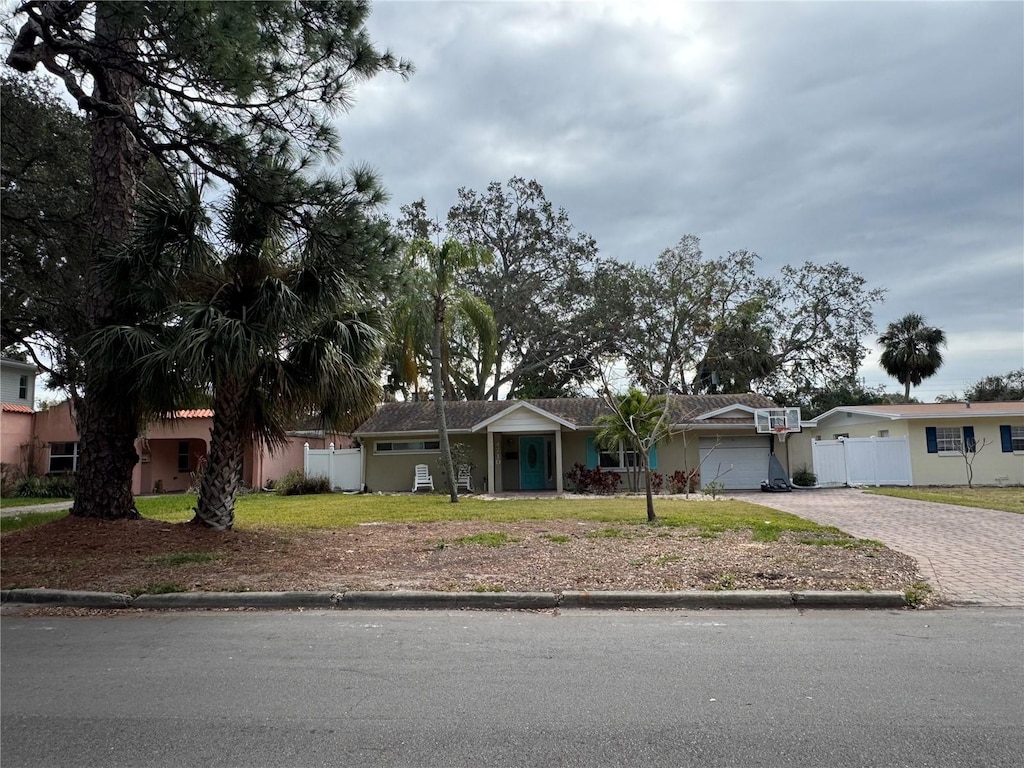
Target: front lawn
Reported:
[(1004, 499), (27, 501), (345, 510)]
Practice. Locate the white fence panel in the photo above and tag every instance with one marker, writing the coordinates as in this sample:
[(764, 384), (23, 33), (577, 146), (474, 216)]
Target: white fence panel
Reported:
[(341, 466), (829, 460), (892, 461), (862, 461)]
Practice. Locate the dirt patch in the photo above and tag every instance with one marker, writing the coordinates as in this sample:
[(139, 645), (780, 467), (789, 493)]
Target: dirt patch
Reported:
[(150, 556)]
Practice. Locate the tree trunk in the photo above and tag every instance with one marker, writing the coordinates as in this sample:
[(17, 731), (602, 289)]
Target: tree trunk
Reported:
[(906, 389), (215, 507), (108, 418), (651, 517), (437, 380)]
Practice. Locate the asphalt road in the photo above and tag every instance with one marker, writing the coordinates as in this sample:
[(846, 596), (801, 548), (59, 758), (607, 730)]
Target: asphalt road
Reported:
[(363, 688)]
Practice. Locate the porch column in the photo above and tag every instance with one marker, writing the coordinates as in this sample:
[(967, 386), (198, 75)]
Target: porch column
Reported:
[(558, 460), (491, 485)]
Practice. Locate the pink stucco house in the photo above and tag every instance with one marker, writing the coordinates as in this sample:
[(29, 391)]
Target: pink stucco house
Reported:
[(170, 451)]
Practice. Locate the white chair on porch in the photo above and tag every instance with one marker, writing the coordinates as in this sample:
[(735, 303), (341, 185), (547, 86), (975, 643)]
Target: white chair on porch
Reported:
[(465, 480), (422, 478)]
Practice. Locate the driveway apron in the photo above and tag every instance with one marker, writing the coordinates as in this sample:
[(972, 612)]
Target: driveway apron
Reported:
[(969, 556)]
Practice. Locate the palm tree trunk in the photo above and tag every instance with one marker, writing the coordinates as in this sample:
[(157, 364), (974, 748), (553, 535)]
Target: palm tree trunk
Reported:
[(906, 389), (215, 507), (437, 380)]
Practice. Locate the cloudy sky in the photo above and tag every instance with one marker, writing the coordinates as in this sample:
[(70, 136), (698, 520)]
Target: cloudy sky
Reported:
[(886, 136)]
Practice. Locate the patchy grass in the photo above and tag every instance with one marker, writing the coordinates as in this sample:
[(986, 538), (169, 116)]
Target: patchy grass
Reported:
[(835, 538), (556, 538), (918, 594), (489, 539), (29, 501), (1003, 499), (29, 520)]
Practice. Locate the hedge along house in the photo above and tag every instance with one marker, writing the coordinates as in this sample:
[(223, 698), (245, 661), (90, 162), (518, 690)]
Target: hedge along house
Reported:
[(934, 438), (529, 445)]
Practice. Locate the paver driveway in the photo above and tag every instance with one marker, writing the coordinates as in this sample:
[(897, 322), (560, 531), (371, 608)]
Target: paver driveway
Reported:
[(969, 556)]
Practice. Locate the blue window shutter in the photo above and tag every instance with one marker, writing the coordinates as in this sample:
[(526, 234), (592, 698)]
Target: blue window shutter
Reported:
[(591, 452), (932, 439), (1006, 438), (969, 443), (652, 457)]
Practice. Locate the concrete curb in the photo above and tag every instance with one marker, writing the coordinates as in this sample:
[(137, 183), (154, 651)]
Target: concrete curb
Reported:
[(413, 600)]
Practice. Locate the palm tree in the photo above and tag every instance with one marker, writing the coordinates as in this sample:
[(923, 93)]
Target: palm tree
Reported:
[(444, 304), (911, 350), (267, 322), (638, 422)]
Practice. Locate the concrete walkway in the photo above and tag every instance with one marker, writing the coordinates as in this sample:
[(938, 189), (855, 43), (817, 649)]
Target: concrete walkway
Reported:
[(50, 507), (969, 556)]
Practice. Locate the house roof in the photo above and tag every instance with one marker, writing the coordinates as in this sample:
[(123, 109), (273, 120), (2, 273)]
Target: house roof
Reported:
[(464, 416), (929, 410), (17, 408), (195, 413)]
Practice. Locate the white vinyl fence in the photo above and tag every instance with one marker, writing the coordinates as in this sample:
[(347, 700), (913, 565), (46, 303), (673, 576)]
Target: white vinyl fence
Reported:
[(341, 466), (862, 461)]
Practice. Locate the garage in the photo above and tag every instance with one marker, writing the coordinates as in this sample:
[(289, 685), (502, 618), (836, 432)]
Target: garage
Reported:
[(739, 463)]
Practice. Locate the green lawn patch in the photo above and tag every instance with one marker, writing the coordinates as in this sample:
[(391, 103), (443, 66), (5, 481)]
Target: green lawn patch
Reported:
[(1003, 499), (29, 520), (334, 511)]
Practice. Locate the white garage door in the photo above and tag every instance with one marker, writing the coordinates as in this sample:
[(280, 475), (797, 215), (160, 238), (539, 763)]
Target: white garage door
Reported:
[(740, 463)]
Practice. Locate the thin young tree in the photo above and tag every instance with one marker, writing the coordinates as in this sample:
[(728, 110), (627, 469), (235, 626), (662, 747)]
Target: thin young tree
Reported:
[(196, 85), (639, 422), (911, 350)]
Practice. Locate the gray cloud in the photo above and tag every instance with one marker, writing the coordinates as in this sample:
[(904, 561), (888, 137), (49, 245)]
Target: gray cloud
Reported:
[(887, 136)]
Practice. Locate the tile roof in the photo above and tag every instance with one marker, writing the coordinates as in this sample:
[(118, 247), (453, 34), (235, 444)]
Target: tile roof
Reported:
[(17, 408), (195, 413), (582, 411)]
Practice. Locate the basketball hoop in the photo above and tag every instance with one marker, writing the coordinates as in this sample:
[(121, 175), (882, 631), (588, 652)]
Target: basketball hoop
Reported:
[(780, 432)]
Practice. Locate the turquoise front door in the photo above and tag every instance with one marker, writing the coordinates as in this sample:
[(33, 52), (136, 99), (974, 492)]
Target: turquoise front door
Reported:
[(531, 464)]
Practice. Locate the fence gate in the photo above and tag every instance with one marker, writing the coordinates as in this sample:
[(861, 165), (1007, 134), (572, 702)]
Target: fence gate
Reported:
[(341, 466), (862, 461)]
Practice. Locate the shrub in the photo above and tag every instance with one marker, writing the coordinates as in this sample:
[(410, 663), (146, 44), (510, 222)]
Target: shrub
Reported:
[(295, 483), (684, 482), (45, 487), (583, 480), (804, 477), (657, 482), (10, 476)]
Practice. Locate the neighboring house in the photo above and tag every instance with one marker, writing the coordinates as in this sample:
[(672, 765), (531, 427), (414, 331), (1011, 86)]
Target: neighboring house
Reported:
[(932, 439), (526, 445), (171, 451), (17, 395)]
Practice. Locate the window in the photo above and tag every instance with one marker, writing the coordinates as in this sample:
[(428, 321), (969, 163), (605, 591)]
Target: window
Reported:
[(23, 387), (840, 435), (63, 457), (883, 433), (617, 458), (1011, 436), (948, 439), (183, 456), (406, 446)]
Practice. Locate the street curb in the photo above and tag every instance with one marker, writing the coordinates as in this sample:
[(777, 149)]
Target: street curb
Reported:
[(417, 600), (66, 597), (692, 600)]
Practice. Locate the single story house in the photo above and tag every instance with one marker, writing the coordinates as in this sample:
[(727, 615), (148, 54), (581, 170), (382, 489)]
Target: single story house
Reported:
[(529, 445), (919, 443)]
